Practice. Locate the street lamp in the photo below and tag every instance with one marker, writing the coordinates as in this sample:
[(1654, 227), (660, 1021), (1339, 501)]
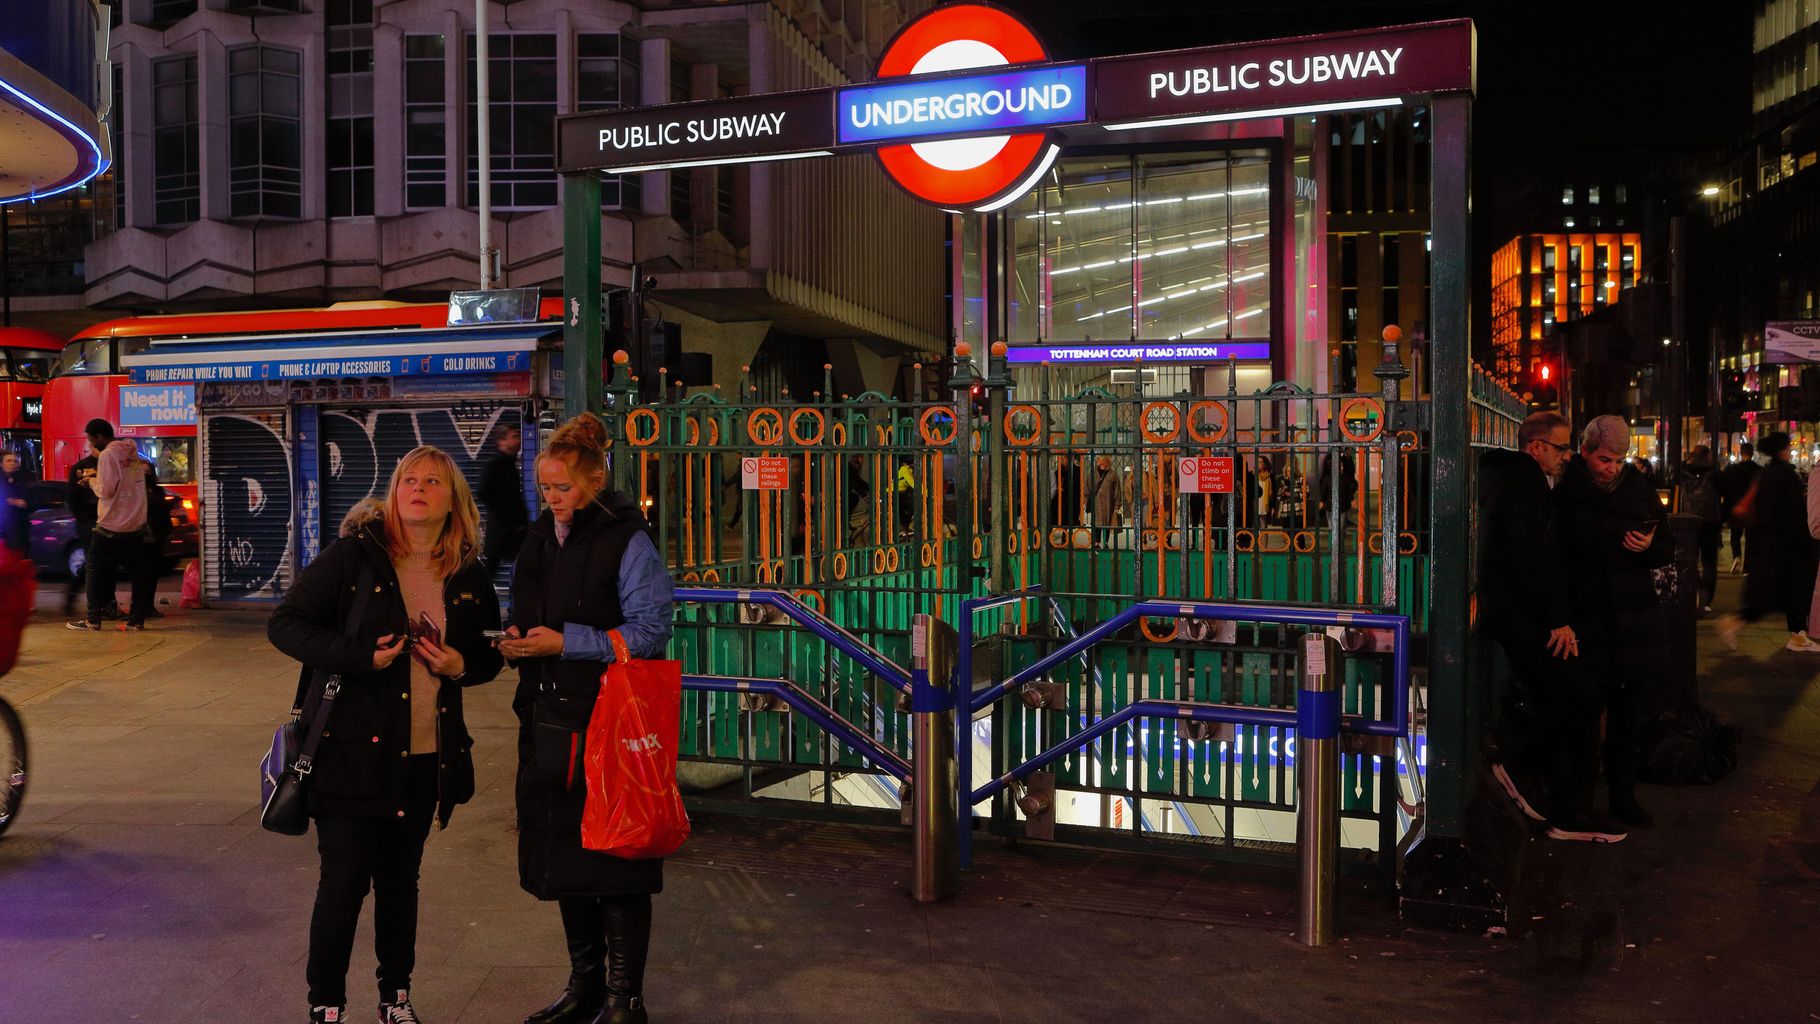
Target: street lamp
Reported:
[(1710, 191)]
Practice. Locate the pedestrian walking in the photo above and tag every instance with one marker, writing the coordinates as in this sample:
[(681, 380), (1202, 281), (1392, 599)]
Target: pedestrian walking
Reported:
[(589, 566), (1109, 497), (1526, 605), (1699, 496), (1734, 483), (1780, 555), (395, 753), (15, 527), (122, 535), (502, 494), (1614, 539)]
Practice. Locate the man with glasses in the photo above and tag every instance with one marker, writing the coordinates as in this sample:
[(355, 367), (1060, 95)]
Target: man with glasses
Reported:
[(1525, 605)]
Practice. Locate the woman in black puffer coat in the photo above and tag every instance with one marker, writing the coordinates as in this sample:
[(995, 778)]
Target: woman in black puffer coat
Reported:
[(395, 753), (588, 566)]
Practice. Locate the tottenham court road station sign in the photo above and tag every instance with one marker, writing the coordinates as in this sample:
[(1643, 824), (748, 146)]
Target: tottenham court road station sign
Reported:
[(965, 109)]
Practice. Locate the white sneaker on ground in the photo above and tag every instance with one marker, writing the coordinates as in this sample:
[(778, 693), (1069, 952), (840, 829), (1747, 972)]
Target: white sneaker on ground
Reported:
[(1737, 566), (1729, 626), (1798, 641)]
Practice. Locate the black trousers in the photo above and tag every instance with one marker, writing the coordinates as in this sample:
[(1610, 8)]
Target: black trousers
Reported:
[(1737, 529), (1563, 747), (1623, 757), (609, 941), (107, 553), (378, 853), (1709, 562)]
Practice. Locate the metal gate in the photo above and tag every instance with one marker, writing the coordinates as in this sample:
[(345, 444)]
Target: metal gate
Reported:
[(247, 504)]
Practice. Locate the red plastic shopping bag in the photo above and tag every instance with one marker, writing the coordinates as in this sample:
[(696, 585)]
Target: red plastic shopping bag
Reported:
[(18, 585), (633, 808)]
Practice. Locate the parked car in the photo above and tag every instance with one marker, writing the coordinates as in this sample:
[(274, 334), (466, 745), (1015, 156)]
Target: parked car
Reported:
[(53, 530)]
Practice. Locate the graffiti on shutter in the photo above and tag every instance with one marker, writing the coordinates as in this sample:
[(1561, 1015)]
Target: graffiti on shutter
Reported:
[(247, 509)]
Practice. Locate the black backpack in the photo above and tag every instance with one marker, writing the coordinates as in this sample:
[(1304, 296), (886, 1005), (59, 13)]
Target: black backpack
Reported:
[(1689, 746), (1703, 498)]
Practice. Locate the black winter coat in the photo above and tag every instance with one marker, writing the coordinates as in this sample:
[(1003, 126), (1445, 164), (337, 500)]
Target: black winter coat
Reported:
[(1615, 609), (501, 492), (360, 766), (552, 585), (1778, 551), (1523, 584)]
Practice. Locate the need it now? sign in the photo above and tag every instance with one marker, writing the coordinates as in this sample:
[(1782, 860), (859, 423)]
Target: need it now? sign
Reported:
[(157, 405)]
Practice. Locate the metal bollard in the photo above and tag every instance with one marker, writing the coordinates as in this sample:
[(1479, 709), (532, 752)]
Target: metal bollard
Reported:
[(935, 868), (1317, 713)]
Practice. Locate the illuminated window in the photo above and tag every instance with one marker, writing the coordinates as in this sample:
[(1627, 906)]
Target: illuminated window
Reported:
[(176, 149), (1567, 222), (1567, 196), (265, 135), (1592, 195), (425, 123), (522, 76), (1620, 195)]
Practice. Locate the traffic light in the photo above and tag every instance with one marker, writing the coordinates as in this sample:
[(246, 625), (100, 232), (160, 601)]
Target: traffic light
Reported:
[(1544, 388)]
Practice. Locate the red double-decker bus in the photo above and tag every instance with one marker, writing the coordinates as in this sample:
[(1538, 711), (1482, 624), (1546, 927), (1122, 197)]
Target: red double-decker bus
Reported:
[(26, 358)]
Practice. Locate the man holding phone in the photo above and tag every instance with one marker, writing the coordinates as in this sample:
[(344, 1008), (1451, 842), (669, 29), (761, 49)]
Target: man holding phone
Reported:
[(1613, 541)]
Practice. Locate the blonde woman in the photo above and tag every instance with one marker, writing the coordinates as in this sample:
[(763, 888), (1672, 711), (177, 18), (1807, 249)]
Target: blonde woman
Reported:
[(588, 566), (395, 753)]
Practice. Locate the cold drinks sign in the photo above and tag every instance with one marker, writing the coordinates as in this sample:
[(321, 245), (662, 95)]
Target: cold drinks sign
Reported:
[(967, 111)]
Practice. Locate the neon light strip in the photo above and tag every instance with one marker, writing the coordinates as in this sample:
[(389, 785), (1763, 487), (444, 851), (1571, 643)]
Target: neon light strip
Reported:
[(1248, 115), (1216, 286), (714, 161), (100, 163), (1058, 272), (1112, 207)]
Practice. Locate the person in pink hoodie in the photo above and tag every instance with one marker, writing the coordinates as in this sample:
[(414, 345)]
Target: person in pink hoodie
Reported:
[(120, 536)]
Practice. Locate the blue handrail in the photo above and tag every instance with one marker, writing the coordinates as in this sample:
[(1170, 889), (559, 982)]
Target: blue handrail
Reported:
[(812, 709), (815, 622)]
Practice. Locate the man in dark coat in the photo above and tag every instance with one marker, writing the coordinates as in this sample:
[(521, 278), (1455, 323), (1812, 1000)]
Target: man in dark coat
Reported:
[(501, 492), (1614, 538), (83, 507), (1525, 603), (1734, 484), (1779, 552)]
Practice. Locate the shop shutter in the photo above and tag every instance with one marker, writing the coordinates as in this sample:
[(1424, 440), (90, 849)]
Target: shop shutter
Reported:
[(248, 505), (360, 446)]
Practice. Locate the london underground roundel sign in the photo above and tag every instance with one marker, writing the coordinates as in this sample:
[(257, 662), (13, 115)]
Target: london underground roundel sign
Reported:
[(984, 172)]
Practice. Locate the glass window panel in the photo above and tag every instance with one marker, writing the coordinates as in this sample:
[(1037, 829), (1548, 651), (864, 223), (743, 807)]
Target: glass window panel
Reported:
[(1029, 301), (1089, 253), (1202, 265)]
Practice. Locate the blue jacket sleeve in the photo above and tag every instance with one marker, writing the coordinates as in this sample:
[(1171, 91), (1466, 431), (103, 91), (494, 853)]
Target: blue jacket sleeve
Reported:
[(645, 595)]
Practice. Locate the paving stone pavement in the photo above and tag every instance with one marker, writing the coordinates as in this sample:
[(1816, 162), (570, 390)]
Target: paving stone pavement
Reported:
[(137, 886)]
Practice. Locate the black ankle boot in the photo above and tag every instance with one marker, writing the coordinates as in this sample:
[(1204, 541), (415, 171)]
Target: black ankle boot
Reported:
[(572, 1007), (628, 1010)]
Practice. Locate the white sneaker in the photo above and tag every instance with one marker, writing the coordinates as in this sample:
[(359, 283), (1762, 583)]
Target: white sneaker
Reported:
[(1728, 627), (1798, 641), (1737, 566)]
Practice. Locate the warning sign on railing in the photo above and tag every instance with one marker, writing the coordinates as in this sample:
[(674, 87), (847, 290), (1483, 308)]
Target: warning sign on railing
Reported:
[(765, 473), (1205, 474)]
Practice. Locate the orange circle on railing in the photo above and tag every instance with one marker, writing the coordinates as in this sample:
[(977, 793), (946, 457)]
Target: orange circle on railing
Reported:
[(1244, 540), (1058, 536), (979, 548), (1157, 436), (1407, 543), (837, 434), (1374, 543), (812, 598), (821, 426), (691, 577), (635, 416), (1374, 415), (928, 557), (710, 575), (840, 565), (765, 426), (1036, 425), (1273, 541), (1409, 439), (891, 560), (878, 560), (1193, 424), (925, 424), (764, 572), (1144, 628), (1303, 541)]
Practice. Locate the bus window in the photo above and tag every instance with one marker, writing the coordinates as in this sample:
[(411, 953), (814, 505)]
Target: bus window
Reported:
[(85, 355), (24, 364), (172, 457)]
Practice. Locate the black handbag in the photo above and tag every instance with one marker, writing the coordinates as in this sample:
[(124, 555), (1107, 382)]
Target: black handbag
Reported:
[(284, 772)]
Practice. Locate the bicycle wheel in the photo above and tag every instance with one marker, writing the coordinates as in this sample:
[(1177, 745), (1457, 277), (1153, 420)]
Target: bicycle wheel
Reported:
[(12, 765)]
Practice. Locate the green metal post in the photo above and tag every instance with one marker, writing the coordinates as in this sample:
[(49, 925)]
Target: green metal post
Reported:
[(582, 340), (998, 385)]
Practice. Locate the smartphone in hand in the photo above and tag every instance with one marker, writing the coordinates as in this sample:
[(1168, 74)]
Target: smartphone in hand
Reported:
[(424, 629)]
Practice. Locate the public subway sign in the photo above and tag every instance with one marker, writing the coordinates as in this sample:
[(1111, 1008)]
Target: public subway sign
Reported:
[(921, 108), (1371, 68), (769, 127), (967, 112), (157, 405)]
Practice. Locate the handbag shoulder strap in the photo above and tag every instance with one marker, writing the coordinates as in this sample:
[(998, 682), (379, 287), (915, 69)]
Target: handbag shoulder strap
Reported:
[(362, 587), (306, 757)]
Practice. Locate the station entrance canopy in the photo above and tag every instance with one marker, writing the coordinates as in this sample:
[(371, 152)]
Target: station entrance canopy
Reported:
[(966, 108)]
